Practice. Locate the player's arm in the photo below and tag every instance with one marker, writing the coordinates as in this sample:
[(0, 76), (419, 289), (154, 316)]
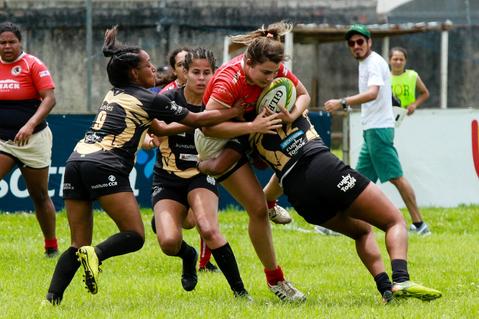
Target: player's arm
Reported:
[(423, 96), (220, 164), (369, 95), (173, 128), (47, 104), (263, 123)]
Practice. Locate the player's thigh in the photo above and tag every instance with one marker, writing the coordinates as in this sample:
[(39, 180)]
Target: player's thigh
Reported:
[(37, 181), (80, 220), (169, 217), (123, 208), (6, 164), (373, 207), (344, 224), (204, 205), (245, 188)]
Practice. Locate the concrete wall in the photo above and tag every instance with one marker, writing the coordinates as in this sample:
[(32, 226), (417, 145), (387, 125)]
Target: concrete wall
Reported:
[(54, 31)]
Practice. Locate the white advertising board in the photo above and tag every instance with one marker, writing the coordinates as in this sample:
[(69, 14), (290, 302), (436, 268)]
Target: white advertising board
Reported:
[(439, 153)]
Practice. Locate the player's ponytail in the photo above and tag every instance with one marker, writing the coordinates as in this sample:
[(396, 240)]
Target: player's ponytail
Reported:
[(264, 44), (122, 58)]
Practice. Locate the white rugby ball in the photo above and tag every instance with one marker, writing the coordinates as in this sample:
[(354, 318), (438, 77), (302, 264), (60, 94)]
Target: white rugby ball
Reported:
[(280, 92)]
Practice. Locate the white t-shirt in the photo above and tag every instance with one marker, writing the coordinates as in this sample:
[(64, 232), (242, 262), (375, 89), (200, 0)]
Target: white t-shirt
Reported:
[(377, 113)]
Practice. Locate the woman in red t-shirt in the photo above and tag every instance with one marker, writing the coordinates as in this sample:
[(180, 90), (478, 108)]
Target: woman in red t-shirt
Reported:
[(26, 98), (241, 81)]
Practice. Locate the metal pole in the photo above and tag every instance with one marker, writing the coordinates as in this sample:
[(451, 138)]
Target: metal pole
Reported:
[(89, 53), (226, 49), (345, 144), (386, 48), (444, 55), (289, 49)]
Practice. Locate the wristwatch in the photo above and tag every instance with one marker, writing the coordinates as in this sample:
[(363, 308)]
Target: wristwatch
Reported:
[(343, 103)]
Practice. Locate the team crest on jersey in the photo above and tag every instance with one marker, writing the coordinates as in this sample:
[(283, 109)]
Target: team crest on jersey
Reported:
[(16, 70)]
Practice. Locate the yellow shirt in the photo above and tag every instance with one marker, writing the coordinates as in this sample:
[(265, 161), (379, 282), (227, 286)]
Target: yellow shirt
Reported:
[(404, 87)]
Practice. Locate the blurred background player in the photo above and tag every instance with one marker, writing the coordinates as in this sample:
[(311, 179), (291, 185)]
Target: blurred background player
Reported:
[(405, 82), (176, 59), (163, 76), (26, 99)]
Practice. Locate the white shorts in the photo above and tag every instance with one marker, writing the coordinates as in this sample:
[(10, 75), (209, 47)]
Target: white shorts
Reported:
[(37, 153), (208, 147)]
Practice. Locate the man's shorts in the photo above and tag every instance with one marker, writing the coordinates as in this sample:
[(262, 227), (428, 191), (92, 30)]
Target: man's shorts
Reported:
[(37, 153), (320, 185), (177, 189), (379, 158), (89, 181)]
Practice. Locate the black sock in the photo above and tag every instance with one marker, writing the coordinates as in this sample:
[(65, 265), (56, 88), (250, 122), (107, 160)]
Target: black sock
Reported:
[(382, 282), (65, 270), (186, 251), (418, 224), (399, 268), (227, 263), (119, 244)]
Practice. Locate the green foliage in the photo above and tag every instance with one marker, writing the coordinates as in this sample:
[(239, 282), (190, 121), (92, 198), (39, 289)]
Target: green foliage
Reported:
[(146, 284)]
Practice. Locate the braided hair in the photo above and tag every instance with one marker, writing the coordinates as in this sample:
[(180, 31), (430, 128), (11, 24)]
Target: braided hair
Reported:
[(264, 44), (199, 53), (123, 58)]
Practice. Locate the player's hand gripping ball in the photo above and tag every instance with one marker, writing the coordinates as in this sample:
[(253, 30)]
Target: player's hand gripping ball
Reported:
[(280, 92)]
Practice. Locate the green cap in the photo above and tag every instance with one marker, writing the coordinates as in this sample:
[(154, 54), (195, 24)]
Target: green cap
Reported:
[(357, 29)]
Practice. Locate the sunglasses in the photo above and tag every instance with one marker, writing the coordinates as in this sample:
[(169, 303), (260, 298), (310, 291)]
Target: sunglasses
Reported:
[(359, 42)]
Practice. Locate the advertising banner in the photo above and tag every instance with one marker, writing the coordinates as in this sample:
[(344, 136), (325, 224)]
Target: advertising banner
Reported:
[(68, 129), (439, 154)]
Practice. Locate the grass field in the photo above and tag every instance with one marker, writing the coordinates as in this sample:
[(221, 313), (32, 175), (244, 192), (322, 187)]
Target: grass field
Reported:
[(146, 284)]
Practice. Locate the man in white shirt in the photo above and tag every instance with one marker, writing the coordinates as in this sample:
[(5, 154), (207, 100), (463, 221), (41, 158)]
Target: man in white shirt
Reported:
[(378, 158)]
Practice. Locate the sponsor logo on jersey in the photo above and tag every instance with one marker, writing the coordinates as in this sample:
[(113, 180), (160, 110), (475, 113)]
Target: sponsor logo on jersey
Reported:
[(173, 107), (156, 190), (111, 182), (293, 143), (16, 70), (347, 182), (210, 180), (44, 73), (9, 85)]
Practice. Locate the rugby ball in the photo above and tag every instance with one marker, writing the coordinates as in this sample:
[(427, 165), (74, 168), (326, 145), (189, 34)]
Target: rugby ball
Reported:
[(280, 92)]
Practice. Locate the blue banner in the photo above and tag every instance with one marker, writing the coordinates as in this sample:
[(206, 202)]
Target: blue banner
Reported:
[(68, 129)]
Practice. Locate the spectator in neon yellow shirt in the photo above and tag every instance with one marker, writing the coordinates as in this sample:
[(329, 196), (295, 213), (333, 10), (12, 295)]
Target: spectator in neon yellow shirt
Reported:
[(406, 82)]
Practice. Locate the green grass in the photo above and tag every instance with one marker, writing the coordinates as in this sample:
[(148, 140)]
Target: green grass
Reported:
[(146, 284)]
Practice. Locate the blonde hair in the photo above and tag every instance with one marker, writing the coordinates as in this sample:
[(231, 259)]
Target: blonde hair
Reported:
[(264, 44)]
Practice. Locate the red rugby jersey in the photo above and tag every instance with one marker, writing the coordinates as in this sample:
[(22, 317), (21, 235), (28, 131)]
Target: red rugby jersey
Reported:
[(23, 78), (20, 82), (229, 84), (170, 86)]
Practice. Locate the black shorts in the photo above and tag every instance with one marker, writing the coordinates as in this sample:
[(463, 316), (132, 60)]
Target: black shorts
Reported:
[(90, 180), (177, 188), (320, 185)]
